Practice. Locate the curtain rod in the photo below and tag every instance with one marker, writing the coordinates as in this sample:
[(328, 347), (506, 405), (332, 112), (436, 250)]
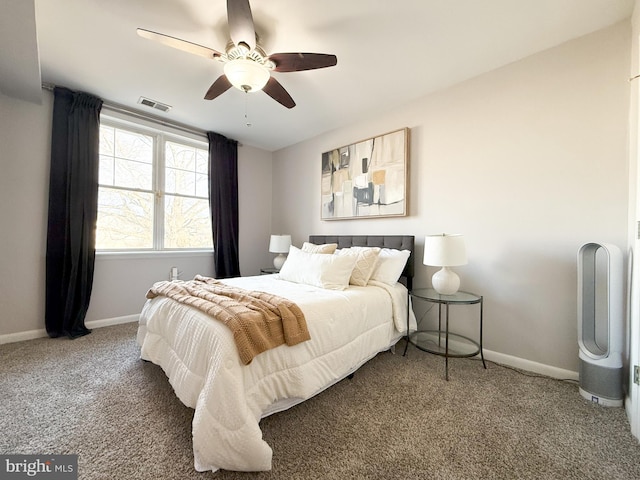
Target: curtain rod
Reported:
[(115, 107)]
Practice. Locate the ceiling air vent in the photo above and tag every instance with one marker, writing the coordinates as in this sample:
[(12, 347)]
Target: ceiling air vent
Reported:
[(163, 107)]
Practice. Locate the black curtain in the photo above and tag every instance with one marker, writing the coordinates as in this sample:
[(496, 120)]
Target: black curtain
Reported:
[(73, 210), (223, 199)]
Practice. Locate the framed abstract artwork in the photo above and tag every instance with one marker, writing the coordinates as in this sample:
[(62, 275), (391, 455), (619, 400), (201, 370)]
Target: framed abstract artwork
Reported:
[(366, 179)]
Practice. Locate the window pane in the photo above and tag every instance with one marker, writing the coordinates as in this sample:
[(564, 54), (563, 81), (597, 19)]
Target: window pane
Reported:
[(125, 219), (132, 174), (202, 185), (134, 146), (180, 181), (105, 176), (180, 156), (107, 139), (186, 170), (187, 223), (202, 161), (125, 158)]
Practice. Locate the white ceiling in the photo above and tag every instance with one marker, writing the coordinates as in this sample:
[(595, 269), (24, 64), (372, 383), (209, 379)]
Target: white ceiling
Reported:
[(389, 53)]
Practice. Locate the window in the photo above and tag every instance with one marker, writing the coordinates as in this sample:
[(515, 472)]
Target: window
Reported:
[(153, 190)]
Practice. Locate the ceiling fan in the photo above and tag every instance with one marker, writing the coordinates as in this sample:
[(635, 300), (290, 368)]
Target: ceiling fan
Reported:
[(246, 65)]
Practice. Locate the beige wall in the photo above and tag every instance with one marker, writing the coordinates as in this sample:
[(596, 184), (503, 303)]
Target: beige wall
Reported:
[(254, 172), (529, 162), (120, 282), (24, 181)]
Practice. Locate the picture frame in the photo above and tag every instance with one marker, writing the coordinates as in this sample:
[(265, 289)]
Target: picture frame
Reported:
[(366, 179)]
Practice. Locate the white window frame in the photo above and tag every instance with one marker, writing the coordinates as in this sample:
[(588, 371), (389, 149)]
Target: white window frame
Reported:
[(161, 134)]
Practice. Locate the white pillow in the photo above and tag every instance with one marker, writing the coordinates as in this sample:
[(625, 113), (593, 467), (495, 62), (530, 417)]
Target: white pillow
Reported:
[(366, 258), (390, 265), (326, 271), (324, 248)]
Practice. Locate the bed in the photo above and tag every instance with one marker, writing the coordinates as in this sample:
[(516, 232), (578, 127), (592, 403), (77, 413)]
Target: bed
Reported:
[(202, 362)]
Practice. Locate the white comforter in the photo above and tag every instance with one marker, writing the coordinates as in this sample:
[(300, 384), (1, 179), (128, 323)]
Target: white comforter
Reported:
[(200, 358)]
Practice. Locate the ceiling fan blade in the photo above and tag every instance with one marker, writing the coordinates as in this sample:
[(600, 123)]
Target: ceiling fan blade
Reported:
[(278, 93), (240, 21), (295, 62), (179, 44), (221, 85)]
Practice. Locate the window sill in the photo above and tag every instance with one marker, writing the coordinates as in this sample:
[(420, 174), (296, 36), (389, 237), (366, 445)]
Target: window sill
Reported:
[(152, 254)]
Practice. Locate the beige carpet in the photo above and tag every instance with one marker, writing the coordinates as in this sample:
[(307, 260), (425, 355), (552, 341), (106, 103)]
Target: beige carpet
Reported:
[(396, 419)]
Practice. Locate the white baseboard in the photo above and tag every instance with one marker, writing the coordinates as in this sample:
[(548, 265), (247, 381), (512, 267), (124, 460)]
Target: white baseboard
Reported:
[(40, 333), (21, 336), (530, 366), (106, 322)]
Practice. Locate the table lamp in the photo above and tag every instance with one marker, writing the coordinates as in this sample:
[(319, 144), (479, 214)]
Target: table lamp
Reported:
[(279, 244), (445, 251)]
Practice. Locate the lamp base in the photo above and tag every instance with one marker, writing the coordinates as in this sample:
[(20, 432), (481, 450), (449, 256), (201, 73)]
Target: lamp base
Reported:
[(445, 281), (279, 260)]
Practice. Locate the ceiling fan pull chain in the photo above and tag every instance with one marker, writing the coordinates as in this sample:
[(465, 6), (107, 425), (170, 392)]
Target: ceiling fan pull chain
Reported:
[(246, 101)]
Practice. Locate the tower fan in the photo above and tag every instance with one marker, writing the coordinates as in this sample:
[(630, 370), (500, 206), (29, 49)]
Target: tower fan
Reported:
[(600, 323)]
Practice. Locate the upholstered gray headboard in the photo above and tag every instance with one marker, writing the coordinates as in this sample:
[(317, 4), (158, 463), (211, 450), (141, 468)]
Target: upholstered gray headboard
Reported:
[(399, 242)]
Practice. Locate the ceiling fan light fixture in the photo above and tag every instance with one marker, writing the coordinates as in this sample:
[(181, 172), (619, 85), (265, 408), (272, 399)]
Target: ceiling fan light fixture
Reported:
[(246, 65), (246, 75)]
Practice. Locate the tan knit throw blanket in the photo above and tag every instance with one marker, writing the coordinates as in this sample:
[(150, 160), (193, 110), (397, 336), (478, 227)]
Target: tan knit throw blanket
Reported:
[(259, 320)]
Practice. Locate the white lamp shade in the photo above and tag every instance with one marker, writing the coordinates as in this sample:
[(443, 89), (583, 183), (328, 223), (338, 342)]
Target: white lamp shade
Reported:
[(280, 243), (444, 250), (246, 75)]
